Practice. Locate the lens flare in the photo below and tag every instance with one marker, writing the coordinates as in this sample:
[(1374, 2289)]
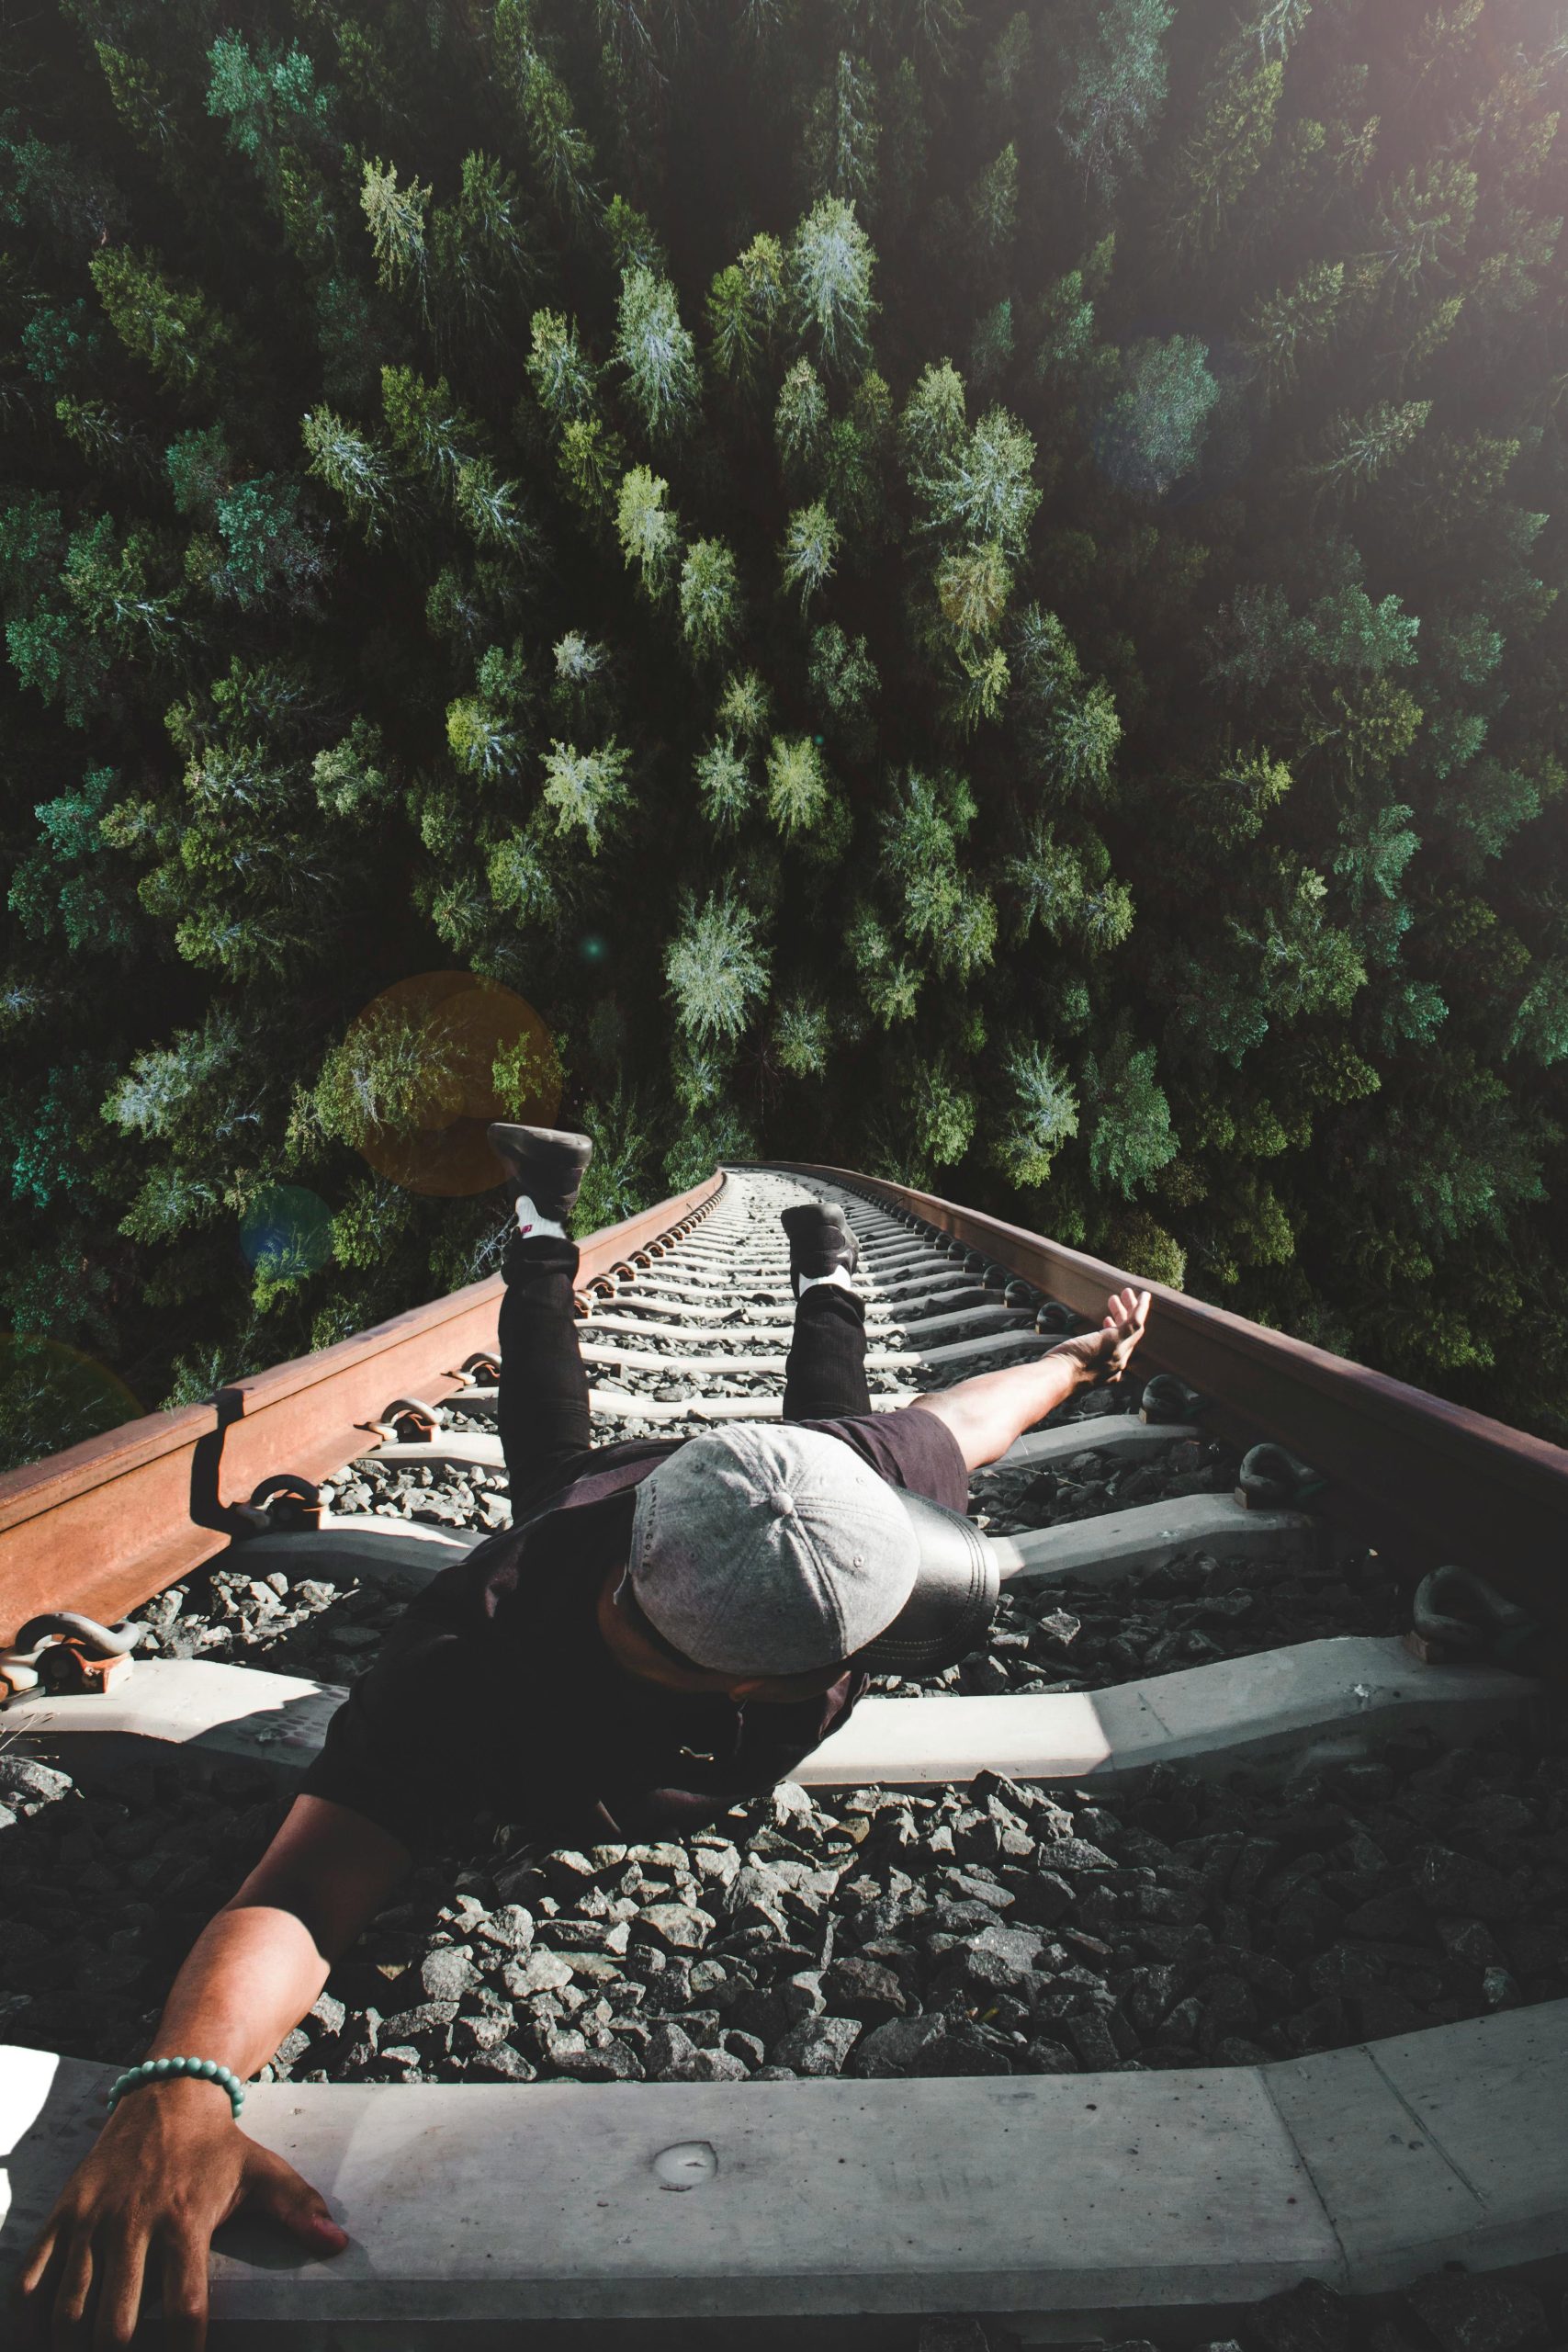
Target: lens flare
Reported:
[(53, 1396), (429, 1063), (287, 1232)]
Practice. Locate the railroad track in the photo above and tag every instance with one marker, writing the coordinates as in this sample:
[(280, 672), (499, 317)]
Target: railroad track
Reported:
[(1086, 2019)]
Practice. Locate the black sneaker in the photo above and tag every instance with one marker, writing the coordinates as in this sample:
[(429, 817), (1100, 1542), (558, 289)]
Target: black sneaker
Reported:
[(547, 1163), (819, 1241)]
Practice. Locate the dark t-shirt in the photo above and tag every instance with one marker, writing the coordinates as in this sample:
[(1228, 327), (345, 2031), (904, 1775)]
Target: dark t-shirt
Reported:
[(495, 1688)]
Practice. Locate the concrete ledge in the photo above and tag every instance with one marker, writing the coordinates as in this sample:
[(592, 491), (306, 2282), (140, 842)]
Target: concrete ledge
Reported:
[(1317, 1702), (208, 1712), (1321, 1699), (1104, 1433), (922, 1282), (956, 1352), (696, 1367), (364, 1540), (619, 1404), (1146, 1535), (477, 2206), (771, 1333), (774, 1320), (1007, 1320), (474, 1446)]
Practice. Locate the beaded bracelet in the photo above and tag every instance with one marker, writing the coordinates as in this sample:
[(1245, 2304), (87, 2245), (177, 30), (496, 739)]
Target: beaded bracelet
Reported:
[(155, 2069)]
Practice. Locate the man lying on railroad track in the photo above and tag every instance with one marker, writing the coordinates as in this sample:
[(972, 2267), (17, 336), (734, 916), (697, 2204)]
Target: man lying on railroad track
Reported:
[(667, 1626)]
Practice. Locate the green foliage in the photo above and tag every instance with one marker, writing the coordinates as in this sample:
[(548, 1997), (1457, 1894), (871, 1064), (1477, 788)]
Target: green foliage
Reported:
[(839, 143), (803, 1034), (586, 789), (980, 486), (716, 973), (807, 559), (1115, 90), (658, 355), (828, 274), (727, 784), (941, 1111), (1153, 431), (800, 420), (1133, 1136), (1042, 1115), (650, 533), (1218, 161), (1040, 525), (710, 598), (186, 342), (564, 377)]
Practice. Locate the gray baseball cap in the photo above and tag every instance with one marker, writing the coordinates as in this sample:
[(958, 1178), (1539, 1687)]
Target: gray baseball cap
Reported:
[(770, 1550)]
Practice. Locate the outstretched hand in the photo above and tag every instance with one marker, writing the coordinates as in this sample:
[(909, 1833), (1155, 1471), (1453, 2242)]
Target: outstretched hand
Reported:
[(1106, 1353)]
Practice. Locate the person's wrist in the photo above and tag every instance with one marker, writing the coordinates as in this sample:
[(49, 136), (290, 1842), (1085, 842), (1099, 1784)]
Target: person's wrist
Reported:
[(177, 2095)]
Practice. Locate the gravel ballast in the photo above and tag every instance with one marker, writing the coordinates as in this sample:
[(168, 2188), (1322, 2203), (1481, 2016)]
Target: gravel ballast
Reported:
[(995, 1928), (989, 1928)]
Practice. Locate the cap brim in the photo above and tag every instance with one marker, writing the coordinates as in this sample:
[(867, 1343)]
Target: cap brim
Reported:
[(952, 1601)]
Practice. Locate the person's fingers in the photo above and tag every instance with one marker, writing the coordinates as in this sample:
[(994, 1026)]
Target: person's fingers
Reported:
[(68, 2331), (119, 2299), (184, 2293), (49, 2244), (272, 2185)]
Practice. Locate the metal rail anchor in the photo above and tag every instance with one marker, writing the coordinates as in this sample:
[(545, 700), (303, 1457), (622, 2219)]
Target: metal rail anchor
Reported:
[(407, 1420), (1458, 1618), (1270, 1480), (64, 1650), (282, 1501)]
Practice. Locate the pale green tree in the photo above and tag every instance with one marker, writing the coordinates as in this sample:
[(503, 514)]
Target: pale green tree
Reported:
[(746, 706), (1152, 432), (1295, 324), (941, 1111), (800, 420), (397, 220), (727, 784), (1133, 1136), (717, 973), (807, 559), (983, 489), (831, 305), (658, 355), (1040, 1117), (564, 377), (797, 784), (838, 143), (649, 532), (1218, 161), (710, 598), (1115, 90), (745, 306), (357, 467), (932, 423), (587, 790), (803, 1034)]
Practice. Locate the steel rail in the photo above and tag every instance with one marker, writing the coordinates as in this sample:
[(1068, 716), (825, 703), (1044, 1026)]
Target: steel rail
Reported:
[(1425, 1481), (105, 1524)]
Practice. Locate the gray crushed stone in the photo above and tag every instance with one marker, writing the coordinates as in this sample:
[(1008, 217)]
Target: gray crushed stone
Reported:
[(992, 1928), (999, 1928)]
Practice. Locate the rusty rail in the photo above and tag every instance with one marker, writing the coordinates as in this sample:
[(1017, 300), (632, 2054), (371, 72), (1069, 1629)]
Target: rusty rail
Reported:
[(1424, 1481), (106, 1524)]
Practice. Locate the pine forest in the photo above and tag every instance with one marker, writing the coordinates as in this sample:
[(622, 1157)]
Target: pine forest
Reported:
[(965, 591)]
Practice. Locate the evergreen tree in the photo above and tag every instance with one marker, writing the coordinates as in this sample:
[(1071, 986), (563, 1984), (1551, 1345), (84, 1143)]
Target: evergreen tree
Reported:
[(1047, 515), (1116, 89)]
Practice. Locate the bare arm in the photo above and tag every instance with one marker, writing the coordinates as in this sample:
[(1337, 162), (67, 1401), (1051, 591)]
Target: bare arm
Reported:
[(989, 1413), (171, 2165)]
